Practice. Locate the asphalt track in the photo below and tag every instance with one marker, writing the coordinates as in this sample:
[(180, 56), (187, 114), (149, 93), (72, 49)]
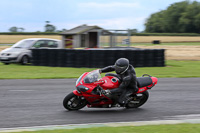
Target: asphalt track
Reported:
[(38, 102)]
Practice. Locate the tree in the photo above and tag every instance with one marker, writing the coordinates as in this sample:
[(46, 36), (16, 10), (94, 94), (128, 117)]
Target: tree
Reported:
[(189, 20), (49, 27), (155, 23), (20, 29), (13, 29), (172, 16), (177, 18), (16, 29)]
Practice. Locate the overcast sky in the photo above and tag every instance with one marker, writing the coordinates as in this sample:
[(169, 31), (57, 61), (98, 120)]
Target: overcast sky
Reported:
[(109, 14)]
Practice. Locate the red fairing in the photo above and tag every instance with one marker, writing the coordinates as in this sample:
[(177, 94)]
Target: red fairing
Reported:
[(154, 80), (143, 89), (76, 93), (110, 82)]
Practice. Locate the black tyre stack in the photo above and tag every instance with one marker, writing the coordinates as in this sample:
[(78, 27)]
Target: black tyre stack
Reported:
[(118, 54), (92, 58), (97, 58), (61, 57), (148, 57), (134, 57), (159, 57), (140, 59), (109, 57), (52, 57), (81, 58), (70, 58), (35, 57), (130, 54), (43, 54)]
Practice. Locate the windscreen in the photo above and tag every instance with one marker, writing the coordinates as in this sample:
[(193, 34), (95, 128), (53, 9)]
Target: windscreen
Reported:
[(23, 44), (78, 80), (92, 77)]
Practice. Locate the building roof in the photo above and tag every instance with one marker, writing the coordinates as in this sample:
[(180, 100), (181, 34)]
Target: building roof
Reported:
[(80, 29)]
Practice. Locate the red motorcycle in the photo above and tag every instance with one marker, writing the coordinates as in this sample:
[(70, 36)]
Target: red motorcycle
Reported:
[(89, 91)]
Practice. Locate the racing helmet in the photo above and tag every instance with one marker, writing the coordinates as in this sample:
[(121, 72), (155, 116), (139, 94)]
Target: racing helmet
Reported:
[(121, 65)]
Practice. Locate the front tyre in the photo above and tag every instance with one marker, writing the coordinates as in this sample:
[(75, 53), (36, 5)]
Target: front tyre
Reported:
[(138, 100), (74, 102), (25, 60)]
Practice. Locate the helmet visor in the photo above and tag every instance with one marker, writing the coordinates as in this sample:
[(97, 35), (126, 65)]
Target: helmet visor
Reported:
[(119, 69)]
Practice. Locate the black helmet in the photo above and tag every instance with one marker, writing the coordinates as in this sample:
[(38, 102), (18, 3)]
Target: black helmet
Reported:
[(121, 65)]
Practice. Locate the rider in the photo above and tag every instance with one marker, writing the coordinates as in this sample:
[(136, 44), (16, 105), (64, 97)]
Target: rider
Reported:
[(126, 73)]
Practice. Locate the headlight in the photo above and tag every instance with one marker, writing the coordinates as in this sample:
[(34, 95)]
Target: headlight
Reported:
[(5, 54), (9, 54), (82, 88)]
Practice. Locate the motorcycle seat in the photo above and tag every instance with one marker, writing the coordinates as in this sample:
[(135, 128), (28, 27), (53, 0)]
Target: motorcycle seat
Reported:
[(143, 81)]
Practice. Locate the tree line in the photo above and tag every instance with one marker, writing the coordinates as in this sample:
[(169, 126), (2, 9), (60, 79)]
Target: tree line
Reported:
[(181, 17), (47, 28)]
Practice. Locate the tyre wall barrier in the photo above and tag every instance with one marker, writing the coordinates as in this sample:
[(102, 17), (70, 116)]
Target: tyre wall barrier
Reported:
[(97, 58)]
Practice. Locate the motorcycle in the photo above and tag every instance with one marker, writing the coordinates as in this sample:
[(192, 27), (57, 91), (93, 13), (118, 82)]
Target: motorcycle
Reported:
[(89, 88)]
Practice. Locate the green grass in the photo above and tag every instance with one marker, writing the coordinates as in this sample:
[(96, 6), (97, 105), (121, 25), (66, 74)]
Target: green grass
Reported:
[(178, 128), (15, 71), (173, 69)]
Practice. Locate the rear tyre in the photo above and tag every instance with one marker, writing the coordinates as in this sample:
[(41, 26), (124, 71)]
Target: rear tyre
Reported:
[(25, 60), (74, 102), (138, 100)]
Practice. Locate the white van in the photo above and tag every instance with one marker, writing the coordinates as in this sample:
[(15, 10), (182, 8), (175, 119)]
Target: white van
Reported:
[(20, 52)]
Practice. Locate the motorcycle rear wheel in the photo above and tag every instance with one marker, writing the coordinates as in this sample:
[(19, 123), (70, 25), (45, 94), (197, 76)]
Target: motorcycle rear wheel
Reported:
[(138, 100), (74, 102)]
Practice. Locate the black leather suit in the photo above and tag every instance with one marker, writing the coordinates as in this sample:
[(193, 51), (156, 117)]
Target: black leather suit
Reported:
[(128, 83)]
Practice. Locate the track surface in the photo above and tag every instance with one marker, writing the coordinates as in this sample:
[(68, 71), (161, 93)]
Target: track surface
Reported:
[(38, 102)]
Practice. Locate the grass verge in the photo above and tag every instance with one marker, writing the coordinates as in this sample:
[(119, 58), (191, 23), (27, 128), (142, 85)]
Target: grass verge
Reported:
[(173, 69), (178, 69), (178, 128)]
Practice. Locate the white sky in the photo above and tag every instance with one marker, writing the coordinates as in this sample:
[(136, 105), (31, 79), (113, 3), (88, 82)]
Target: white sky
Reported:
[(108, 14)]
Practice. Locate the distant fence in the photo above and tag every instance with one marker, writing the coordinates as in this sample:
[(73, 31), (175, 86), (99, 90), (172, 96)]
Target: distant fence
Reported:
[(97, 58)]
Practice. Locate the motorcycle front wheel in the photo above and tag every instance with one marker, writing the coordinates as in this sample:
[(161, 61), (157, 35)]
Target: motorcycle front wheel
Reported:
[(138, 100), (74, 102)]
